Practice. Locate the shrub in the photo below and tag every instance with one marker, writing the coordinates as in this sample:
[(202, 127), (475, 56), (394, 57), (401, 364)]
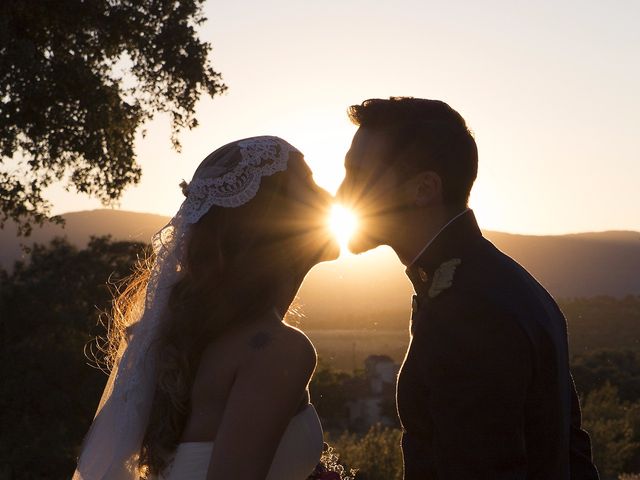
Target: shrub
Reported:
[(376, 455)]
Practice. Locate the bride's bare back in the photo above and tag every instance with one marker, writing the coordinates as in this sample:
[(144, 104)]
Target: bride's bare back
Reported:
[(251, 381)]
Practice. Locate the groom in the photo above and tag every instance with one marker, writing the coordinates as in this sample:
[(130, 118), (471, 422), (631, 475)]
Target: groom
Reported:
[(485, 390)]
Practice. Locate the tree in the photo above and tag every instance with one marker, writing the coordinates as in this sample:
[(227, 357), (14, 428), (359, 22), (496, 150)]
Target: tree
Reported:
[(613, 426), (328, 393), (49, 311), (69, 111), (619, 367)]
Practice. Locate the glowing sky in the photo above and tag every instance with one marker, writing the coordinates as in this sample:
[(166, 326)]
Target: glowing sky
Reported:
[(549, 88)]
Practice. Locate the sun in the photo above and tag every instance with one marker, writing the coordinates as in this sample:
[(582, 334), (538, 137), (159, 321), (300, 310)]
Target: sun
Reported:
[(343, 224)]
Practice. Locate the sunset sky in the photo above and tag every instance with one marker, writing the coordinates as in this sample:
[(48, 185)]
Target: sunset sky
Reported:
[(550, 89)]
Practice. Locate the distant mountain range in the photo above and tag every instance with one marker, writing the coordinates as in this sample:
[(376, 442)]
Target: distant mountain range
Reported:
[(374, 284)]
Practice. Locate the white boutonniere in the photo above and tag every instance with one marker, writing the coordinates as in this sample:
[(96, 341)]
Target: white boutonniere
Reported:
[(443, 277)]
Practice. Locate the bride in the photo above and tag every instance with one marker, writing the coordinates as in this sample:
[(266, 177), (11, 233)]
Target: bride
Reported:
[(207, 381)]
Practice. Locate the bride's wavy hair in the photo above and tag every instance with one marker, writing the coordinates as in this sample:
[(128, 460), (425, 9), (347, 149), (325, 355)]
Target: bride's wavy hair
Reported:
[(232, 256)]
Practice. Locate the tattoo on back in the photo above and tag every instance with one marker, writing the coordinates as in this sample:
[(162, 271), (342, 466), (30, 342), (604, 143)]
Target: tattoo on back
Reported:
[(260, 340)]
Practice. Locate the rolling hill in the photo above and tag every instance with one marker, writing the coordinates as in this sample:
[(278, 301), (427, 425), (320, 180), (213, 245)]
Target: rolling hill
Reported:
[(373, 285)]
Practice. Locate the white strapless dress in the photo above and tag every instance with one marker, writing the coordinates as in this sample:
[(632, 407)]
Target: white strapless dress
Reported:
[(297, 455)]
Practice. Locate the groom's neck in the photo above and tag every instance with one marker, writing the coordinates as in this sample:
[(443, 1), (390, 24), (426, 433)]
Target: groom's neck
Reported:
[(418, 229)]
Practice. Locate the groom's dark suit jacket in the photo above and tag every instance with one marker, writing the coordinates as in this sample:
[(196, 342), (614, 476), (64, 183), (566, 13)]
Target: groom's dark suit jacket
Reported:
[(485, 390)]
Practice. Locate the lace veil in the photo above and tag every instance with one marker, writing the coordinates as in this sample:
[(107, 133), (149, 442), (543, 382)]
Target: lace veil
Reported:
[(229, 177)]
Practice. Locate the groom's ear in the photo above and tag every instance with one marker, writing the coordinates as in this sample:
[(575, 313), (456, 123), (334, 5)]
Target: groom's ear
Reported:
[(426, 189)]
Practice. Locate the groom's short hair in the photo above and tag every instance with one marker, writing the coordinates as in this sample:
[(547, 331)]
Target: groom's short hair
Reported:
[(425, 135)]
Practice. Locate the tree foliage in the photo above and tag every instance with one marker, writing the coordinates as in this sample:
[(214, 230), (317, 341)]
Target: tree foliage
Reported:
[(614, 427), (620, 368), (77, 80), (49, 311), (330, 395)]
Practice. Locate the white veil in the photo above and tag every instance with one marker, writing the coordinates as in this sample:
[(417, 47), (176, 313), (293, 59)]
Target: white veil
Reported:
[(111, 447)]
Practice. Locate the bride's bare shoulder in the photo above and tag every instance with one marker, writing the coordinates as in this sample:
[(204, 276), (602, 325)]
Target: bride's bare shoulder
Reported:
[(280, 346), (263, 341), (302, 342)]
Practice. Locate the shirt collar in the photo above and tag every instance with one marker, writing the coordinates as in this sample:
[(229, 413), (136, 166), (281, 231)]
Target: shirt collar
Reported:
[(456, 239)]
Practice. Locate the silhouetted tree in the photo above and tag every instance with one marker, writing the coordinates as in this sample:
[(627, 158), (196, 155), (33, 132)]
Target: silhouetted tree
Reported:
[(614, 427), (77, 79), (49, 311), (621, 368), (328, 393)]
